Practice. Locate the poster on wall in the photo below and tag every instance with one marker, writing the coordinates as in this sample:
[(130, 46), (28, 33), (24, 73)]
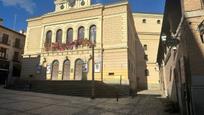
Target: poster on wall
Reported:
[(38, 69), (48, 68), (97, 67), (85, 68)]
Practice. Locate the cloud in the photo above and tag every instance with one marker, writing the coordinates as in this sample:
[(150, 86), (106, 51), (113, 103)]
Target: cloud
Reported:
[(28, 5)]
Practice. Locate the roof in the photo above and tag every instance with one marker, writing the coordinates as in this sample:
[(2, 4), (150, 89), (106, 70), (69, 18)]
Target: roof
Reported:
[(11, 30)]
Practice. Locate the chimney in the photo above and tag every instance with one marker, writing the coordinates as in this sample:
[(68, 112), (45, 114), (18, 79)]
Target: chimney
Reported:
[(1, 21)]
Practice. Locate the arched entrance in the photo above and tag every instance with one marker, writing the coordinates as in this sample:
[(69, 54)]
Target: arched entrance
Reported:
[(55, 69), (66, 70), (78, 71)]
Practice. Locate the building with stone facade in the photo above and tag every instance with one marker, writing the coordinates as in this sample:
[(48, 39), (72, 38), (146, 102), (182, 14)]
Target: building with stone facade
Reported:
[(11, 49), (181, 55), (148, 28), (59, 44)]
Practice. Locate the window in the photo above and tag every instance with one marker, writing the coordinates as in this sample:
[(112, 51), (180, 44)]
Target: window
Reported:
[(146, 72), (111, 74), (5, 38), (48, 37), (158, 21), (16, 56), (144, 21), (146, 57), (145, 47), (17, 43), (81, 33), (92, 34), (3, 53), (69, 35), (59, 36)]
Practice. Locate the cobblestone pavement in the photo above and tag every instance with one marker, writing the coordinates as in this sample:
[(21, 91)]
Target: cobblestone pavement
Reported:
[(29, 103)]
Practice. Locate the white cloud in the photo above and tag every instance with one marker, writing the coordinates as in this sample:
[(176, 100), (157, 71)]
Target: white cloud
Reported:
[(28, 5)]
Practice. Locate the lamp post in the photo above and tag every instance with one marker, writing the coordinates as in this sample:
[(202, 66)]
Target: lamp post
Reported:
[(93, 71)]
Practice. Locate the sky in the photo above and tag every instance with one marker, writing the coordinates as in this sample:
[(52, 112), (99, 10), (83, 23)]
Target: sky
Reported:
[(21, 10)]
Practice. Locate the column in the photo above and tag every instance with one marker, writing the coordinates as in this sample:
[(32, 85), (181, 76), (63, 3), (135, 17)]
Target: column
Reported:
[(86, 33), (75, 33), (53, 36), (64, 35)]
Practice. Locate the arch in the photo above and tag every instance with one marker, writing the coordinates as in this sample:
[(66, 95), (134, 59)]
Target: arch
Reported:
[(59, 36), (48, 39), (66, 70), (92, 33), (81, 32), (78, 70), (69, 38), (55, 70)]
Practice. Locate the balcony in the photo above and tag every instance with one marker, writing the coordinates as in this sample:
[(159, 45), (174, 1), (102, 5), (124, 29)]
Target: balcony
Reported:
[(67, 46), (5, 42), (3, 56)]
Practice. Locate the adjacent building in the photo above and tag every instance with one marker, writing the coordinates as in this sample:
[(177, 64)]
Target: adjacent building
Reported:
[(181, 55), (148, 28), (11, 49), (59, 44)]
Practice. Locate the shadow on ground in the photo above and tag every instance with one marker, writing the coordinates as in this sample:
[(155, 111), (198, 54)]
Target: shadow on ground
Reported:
[(72, 88)]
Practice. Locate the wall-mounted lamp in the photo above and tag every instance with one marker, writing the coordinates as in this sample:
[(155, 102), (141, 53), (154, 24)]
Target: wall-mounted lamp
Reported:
[(170, 41), (201, 30), (163, 37)]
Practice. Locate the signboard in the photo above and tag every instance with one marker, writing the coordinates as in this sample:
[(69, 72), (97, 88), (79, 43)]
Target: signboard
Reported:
[(38, 69), (97, 67), (85, 68)]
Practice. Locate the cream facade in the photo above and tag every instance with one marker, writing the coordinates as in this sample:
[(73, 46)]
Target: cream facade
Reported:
[(71, 27), (148, 28)]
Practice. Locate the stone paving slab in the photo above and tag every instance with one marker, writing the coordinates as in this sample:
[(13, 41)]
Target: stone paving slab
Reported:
[(30, 103)]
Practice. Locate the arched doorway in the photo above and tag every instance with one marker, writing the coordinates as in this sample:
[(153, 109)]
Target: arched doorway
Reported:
[(78, 72), (55, 69), (66, 70)]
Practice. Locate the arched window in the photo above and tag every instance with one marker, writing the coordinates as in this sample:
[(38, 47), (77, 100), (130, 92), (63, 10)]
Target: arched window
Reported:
[(59, 36), (66, 70), (55, 69), (69, 35), (81, 33), (48, 39), (92, 34)]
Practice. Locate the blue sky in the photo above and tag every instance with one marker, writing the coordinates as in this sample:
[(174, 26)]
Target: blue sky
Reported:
[(24, 9)]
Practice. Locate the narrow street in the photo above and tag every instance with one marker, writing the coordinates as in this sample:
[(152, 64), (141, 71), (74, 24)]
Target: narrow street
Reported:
[(29, 103)]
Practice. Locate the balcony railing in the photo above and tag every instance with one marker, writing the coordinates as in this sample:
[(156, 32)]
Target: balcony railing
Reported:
[(5, 42), (67, 46)]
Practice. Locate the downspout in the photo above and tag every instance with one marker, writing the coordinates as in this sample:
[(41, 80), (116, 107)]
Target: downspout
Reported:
[(102, 49)]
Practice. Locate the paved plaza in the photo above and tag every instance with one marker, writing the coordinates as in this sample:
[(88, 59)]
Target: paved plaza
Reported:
[(30, 103)]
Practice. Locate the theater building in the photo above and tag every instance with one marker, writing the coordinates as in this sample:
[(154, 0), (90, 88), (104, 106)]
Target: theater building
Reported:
[(59, 44)]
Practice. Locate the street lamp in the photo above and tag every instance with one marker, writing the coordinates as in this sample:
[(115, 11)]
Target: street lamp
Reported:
[(93, 72), (170, 41)]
